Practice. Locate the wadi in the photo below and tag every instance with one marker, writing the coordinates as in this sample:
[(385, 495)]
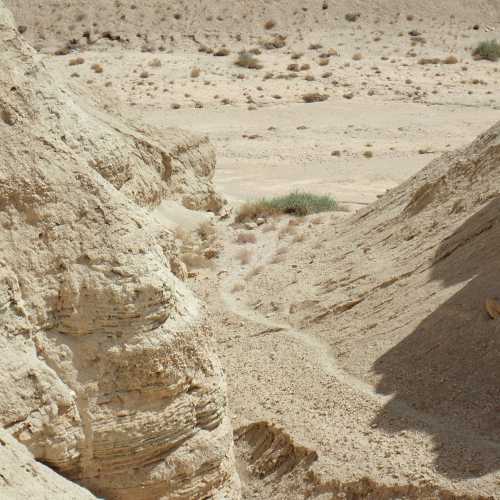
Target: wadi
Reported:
[(250, 250)]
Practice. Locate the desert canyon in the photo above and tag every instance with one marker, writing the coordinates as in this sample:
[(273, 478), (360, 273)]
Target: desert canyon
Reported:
[(248, 250)]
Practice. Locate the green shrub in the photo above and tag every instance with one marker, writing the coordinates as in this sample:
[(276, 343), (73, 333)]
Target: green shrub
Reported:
[(296, 203), (489, 50)]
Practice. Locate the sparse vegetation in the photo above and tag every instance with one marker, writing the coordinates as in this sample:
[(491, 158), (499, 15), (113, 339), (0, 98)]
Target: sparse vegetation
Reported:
[(195, 72), (276, 42), (222, 52), (246, 237), (155, 63), (314, 97), (76, 61), (97, 68), (488, 50), (269, 25), (450, 60), (296, 203), (247, 60), (429, 60), (352, 17)]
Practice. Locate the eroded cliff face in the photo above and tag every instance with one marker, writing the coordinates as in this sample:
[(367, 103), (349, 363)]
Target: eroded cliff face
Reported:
[(108, 375)]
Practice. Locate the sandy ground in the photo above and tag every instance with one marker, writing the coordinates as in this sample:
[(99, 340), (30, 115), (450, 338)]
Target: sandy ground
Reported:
[(268, 141)]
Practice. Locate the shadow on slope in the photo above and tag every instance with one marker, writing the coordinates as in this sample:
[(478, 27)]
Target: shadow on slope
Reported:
[(449, 366)]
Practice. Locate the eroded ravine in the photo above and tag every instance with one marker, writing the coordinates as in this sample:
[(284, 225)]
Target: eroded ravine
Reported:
[(324, 355)]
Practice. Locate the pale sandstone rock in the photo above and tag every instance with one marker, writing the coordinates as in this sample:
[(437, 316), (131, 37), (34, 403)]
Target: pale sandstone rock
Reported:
[(107, 373), (22, 477)]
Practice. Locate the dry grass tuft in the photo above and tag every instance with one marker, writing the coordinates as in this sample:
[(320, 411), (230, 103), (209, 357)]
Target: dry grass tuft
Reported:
[(245, 256), (222, 52), (276, 42), (195, 72), (450, 60), (247, 60), (76, 61), (246, 237), (269, 25), (314, 97), (352, 17), (97, 68), (429, 60), (155, 63)]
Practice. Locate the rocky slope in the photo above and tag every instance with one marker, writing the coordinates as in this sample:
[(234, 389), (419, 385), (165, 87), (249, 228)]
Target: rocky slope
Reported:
[(108, 375)]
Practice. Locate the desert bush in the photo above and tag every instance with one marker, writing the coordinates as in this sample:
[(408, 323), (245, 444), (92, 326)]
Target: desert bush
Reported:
[(488, 50), (276, 42), (267, 228), (97, 68), (299, 238), (155, 63), (269, 25), (314, 97), (246, 237), (357, 57), (62, 52), (76, 61), (247, 60), (195, 72), (323, 61), (296, 203), (352, 16), (206, 231), (222, 52), (450, 60), (429, 60)]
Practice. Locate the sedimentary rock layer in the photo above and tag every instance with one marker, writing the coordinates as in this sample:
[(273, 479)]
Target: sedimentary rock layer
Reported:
[(107, 372)]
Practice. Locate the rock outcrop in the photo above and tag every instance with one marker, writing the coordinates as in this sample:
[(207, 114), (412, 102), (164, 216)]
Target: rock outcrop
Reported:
[(107, 372), (23, 477)]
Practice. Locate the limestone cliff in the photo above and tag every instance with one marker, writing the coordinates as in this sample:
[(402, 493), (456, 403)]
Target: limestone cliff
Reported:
[(107, 371)]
